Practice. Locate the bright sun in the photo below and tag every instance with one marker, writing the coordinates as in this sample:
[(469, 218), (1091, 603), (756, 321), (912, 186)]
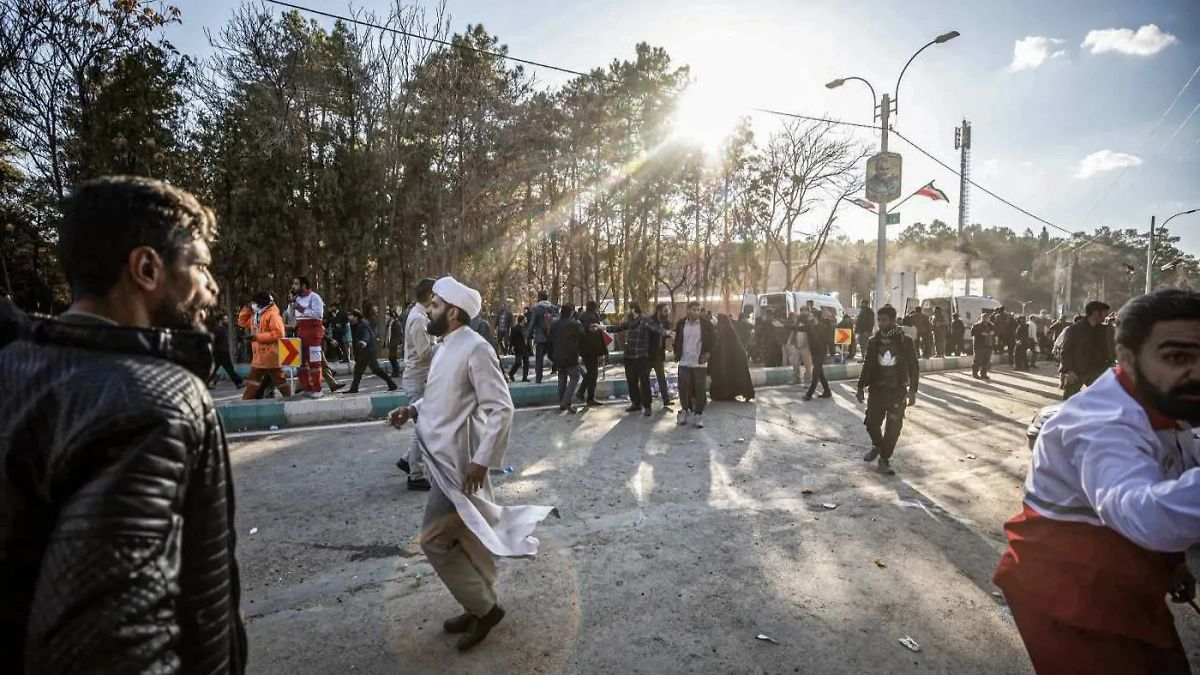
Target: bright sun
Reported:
[(705, 116)]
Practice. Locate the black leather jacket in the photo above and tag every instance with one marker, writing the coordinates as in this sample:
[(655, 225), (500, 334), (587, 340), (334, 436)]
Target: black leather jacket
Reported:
[(116, 503)]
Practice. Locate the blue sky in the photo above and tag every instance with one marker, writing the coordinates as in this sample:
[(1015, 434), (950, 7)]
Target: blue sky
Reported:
[(1061, 94)]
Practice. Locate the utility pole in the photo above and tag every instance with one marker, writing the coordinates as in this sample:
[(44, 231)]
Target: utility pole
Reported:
[(962, 143), (1150, 260), (885, 110)]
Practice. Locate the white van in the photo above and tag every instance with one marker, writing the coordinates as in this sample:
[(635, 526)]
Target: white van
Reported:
[(787, 303)]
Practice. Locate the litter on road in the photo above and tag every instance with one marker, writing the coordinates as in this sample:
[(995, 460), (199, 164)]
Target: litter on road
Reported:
[(829, 506), (880, 563), (253, 530), (766, 638), (912, 645)]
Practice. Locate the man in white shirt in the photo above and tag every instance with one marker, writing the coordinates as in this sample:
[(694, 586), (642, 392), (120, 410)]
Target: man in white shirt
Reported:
[(462, 425), (418, 355), (309, 312), (1112, 503)]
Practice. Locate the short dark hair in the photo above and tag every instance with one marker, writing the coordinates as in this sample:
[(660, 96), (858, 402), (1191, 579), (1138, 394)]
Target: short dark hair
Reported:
[(888, 311), (1095, 306), (1136, 319), (566, 311), (107, 218), (635, 307), (356, 313), (263, 298), (304, 283), (425, 289), (591, 305), (543, 295), (694, 303)]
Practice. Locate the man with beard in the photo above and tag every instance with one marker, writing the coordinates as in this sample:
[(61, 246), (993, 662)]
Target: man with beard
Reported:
[(462, 427), (418, 354), (1086, 350), (594, 347), (1112, 503), (263, 321), (116, 502), (640, 330), (891, 371), (983, 336), (309, 310)]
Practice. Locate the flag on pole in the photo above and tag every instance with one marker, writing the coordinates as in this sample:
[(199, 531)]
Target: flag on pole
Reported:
[(933, 193), (864, 204)]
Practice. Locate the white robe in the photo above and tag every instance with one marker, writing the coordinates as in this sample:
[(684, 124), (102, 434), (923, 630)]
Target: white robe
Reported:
[(464, 418)]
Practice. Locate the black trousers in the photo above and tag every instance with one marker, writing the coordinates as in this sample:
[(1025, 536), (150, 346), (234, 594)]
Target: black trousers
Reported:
[(885, 419), (660, 370), (983, 361), (539, 360), (360, 367), (588, 386), (1020, 356), (520, 361), (394, 361), (818, 375), (637, 376), (225, 363)]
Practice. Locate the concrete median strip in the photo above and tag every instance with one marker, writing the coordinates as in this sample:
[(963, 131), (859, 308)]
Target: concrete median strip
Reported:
[(260, 415)]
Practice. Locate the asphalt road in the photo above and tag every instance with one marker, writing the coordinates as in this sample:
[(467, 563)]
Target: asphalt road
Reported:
[(677, 546)]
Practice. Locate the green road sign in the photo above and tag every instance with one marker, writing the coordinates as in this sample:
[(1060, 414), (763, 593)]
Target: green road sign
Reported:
[(893, 219)]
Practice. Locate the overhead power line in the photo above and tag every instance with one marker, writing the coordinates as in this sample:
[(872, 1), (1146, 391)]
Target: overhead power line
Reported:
[(530, 62), (570, 71)]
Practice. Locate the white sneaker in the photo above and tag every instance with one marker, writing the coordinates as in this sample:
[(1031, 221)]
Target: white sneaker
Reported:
[(682, 417), (699, 421)]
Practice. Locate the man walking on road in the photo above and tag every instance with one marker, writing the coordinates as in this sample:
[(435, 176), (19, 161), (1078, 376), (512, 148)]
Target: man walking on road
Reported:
[(540, 320), (983, 338), (1111, 506), (694, 341), (116, 501), (418, 354), (366, 351), (864, 326), (462, 426), (566, 338), (891, 372), (594, 347), (1086, 350), (820, 338)]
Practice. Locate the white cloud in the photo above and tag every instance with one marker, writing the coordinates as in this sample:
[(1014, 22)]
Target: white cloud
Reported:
[(1031, 52), (1105, 160), (1147, 41)]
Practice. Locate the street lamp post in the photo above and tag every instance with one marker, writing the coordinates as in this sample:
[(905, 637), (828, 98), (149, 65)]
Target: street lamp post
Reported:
[(1150, 248), (884, 110)]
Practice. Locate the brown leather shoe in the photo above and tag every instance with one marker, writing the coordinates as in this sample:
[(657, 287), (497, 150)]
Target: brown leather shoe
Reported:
[(479, 628)]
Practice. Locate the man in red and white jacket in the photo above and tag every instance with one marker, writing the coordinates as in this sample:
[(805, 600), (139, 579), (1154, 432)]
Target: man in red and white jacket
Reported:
[(1111, 504), (309, 312)]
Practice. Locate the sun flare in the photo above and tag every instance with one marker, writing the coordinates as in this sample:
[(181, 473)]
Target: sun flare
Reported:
[(704, 116)]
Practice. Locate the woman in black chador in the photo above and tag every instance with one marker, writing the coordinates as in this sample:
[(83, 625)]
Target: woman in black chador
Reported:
[(729, 368)]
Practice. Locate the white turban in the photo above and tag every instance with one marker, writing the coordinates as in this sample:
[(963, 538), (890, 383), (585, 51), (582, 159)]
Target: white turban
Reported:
[(457, 294)]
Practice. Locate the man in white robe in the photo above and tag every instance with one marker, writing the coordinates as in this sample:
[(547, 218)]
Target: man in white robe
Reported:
[(462, 426)]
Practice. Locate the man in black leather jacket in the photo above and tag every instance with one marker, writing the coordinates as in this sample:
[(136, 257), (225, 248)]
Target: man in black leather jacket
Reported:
[(116, 499)]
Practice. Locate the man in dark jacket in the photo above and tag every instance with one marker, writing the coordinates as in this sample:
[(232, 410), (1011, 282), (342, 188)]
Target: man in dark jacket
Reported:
[(954, 341), (695, 340), (658, 350), (116, 505), (540, 319), (1087, 351), (366, 351), (220, 333), (518, 339), (640, 329), (395, 339), (941, 327), (863, 326), (820, 342), (891, 371), (983, 340), (594, 347), (566, 340)]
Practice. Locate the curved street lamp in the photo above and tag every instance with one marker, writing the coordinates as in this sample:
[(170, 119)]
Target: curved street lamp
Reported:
[(884, 110), (1150, 247)]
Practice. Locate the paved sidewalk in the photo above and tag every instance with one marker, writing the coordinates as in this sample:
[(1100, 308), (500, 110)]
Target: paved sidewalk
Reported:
[(374, 401)]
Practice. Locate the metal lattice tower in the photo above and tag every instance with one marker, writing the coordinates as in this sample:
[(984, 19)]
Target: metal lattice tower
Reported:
[(962, 143)]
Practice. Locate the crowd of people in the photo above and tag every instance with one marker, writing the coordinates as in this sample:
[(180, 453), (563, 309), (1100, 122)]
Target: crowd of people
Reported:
[(117, 538)]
